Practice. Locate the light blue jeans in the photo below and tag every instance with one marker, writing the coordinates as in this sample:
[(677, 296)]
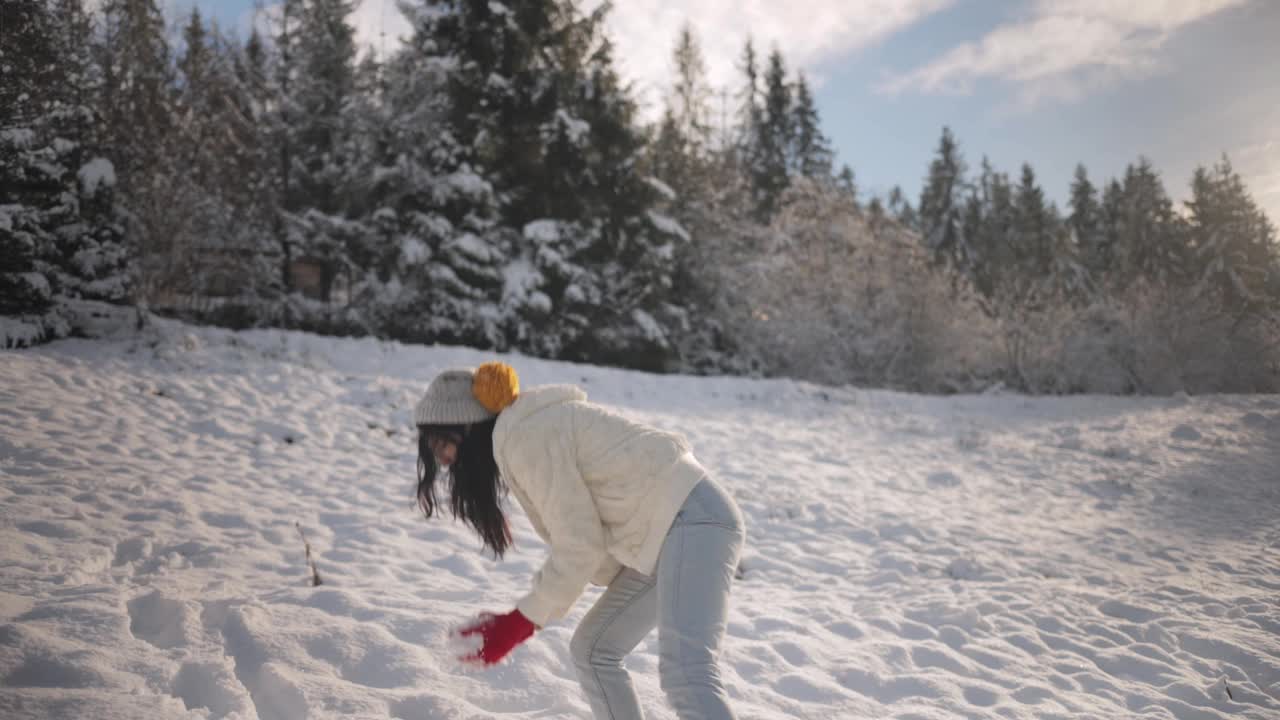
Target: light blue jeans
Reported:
[(687, 599)]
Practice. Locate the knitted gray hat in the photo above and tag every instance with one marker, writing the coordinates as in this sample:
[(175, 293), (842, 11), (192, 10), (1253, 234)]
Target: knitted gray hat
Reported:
[(449, 400)]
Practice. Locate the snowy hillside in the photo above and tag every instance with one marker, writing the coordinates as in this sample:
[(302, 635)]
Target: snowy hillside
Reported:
[(908, 556)]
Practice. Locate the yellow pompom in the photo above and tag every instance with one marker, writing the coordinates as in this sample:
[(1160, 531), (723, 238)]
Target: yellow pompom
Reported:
[(495, 386)]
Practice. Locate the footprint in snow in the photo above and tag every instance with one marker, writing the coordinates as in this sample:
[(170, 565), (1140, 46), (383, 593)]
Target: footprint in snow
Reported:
[(1255, 420), (161, 621), (943, 479)]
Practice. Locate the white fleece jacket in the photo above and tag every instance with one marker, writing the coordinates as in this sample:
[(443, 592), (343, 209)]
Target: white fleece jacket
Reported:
[(600, 489)]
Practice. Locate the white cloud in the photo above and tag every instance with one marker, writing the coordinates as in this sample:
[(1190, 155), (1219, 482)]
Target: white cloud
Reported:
[(1259, 165), (1064, 49), (379, 24), (806, 31), (644, 32)]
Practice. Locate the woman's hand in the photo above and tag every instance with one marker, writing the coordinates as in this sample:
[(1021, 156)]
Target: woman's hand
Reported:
[(500, 633)]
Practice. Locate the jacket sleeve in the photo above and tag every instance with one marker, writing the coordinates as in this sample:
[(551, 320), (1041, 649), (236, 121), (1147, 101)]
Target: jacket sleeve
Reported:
[(549, 474)]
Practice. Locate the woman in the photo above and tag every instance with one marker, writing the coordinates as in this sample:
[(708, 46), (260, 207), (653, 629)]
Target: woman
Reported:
[(619, 503)]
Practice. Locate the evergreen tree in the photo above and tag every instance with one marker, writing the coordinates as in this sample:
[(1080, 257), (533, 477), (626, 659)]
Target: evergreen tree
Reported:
[(1103, 258), (988, 226), (58, 232), (774, 137), (669, 160), (847, 182), (628, 248), (975, 224), (942, 204), (220, 134), (876, 212), (137, 88), (317, 85), (680, 154), (749, 106), (690, 98), (534, 106), (253, 188), (194, 62), (1002, 216), (1151, 243), (31, 61), (137, 103), (1051, 257), (1086, 221), (811, 153), (900, 208), (1033, 228), (433, 259), (1234, 242)]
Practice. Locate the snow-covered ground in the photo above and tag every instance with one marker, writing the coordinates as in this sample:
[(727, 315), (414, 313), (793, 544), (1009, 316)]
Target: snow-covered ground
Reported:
[(908, 557)]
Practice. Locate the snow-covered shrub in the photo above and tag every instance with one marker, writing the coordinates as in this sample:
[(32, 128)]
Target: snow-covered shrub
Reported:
[(1180, 341), (1147, 339), (826, 295)]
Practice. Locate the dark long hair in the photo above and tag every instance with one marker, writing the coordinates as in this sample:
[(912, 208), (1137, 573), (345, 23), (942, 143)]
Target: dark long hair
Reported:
[(475, 488)]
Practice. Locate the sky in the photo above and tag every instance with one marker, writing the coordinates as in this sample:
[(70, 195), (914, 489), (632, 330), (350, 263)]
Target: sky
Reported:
[(1052, 83)]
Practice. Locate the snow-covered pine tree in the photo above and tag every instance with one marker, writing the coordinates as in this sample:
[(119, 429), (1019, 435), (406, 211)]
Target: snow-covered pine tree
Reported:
[(734, 186), (636, 246), (58, 235), (749, 114), (680, 155), (316, 76), (811, 154), (846, 181), (436, 259), (583, 208), (942, 204), (92, 258), (668, 159), (536, 109), (220, 101), (995, 246), (775, 133), (1234, 242), (976, 225), (690, 103), (699, 175), (900, 208), (28, 60), (1033, 228), (1086, 222), (1151, 245), (136, 98), (1103, 260)]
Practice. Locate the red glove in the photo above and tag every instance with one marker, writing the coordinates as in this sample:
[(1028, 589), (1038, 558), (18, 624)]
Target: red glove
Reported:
[(501, 633)]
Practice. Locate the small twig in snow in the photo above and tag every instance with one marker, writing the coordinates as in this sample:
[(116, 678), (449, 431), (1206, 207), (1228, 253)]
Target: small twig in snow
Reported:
[(311, 565)]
